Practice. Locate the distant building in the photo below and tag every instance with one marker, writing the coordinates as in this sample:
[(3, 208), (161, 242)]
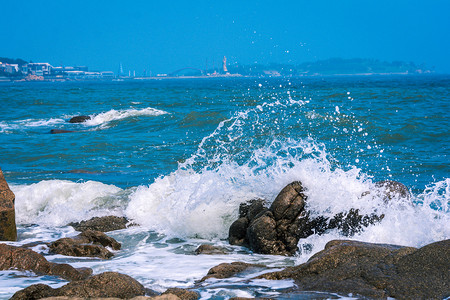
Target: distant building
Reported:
[(39, 69), (107, 74)]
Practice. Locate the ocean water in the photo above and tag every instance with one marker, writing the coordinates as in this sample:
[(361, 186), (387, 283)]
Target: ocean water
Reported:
[(177, 157)]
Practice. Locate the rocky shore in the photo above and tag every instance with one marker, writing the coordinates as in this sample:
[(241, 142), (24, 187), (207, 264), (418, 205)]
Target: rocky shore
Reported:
[(365, 270)]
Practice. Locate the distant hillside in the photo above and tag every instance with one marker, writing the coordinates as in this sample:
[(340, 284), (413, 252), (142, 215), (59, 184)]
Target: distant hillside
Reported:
[(13, 61), (333, 66)]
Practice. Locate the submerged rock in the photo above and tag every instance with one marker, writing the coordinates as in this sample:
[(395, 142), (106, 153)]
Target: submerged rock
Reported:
[(56, 131), (108, 284), (89, 243), (375, 270), (8, 229), (79, 119), (18, 258), (103, 224)]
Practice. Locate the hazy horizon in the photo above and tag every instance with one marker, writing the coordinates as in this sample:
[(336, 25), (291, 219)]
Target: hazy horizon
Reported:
[(162, 37)]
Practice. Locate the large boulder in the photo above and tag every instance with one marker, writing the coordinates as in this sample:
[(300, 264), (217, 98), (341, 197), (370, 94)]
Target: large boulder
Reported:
[(375, 270), (89, 243), (8, 229), (273, 230), (104, 285), (278, 229), (22, 259), (103, 224)]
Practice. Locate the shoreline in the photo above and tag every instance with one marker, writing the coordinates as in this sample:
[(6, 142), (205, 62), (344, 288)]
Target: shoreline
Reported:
[(154, 78)]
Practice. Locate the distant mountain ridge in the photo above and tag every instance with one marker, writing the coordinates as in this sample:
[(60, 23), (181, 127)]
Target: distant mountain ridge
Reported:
[(332, 66)]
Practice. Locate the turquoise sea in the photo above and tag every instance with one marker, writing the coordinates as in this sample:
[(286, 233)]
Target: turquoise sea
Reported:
[(178, 156)]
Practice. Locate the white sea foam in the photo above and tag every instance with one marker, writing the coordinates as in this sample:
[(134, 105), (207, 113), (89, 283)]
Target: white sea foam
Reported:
[(114, 115), (58, 202), (7, 126)]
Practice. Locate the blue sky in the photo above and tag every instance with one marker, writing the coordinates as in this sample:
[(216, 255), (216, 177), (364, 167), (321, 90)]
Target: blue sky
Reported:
[(162, 36)]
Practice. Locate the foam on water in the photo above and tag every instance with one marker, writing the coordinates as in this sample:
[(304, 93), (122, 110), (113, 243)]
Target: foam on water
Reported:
[(59, 202), (7, 127), (114, 115)]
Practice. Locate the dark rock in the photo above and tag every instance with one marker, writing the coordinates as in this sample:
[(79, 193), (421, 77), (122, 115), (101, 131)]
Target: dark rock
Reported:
[(274, 230), (251, 208), (34, 292), (79, 119), (237, 234), (227, 270), (210, 250), (56, 131), (262, 235), (104, 224), (8, 229), (105, 285), (12, 257), (278, 229), (375, 270), (89, 243), (183, 294), (289, 202)]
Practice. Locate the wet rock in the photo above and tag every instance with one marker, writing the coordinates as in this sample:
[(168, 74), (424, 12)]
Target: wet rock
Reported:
[(8, 229), (103, 224), (271, 230), (375, 270), (237, 234), (277, 230), (105, 285), (12, 257), (89, 243), (227, 270), (183, 294), (79, 119), (210, 250)]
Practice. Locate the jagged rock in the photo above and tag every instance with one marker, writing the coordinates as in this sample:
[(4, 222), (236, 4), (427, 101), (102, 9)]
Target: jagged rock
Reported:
[(277, 230), (12, 257), (375, 270), (8, 229), (79, 119), (108, 284), (227, 270), (104, 224), (271, 230), (210, 250), (183, 294), (89, 243)]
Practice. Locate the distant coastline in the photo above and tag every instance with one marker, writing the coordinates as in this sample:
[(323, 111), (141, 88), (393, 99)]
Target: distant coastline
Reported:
[(18, 70)]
